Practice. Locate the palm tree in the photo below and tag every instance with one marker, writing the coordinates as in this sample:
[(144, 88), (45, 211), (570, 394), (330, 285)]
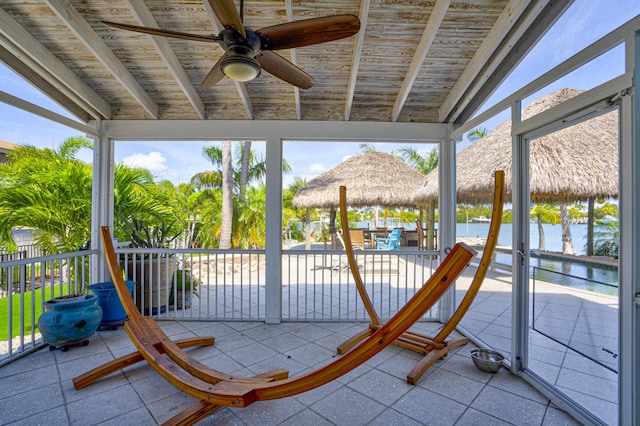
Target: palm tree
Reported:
[(253, 166), (477, 133), (567, 244), (233, 179), (227, 196), (244, 169), (423, 164), (546, 213)]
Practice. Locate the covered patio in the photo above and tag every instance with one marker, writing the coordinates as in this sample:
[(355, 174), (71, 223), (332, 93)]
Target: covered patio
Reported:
[(38, 388), (424, 84)]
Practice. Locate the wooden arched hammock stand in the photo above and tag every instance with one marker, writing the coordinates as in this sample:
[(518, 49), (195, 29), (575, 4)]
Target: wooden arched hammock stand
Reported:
[(215, 389), (434, 348)]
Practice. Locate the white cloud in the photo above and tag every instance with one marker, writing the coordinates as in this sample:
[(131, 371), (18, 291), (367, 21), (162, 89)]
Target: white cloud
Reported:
[(316, 168), (153, 161)]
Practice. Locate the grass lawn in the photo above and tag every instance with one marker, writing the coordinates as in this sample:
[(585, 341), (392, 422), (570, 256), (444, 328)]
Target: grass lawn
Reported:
[(15, 313)]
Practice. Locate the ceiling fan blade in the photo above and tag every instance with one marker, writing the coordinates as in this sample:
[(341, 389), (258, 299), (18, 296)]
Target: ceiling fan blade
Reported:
[(162, 32), (227, 14), (279, 67), (309, 31), (215, 75)]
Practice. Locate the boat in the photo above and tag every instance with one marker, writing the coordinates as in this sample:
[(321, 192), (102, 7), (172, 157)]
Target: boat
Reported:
[(480, 219)]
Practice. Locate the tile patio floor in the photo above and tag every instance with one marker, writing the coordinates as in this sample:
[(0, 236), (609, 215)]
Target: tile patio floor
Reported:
[(37, 389)]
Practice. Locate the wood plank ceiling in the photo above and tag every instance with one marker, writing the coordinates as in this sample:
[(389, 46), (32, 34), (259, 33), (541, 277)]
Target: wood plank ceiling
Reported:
[(412, 61)]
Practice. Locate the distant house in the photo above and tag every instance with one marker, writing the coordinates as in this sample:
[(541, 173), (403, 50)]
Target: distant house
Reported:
[(5, 148)]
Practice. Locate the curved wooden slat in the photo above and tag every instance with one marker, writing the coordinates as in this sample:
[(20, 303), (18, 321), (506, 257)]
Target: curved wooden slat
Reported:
[(215, 389), (485, 260), (434, 348), (423, 300)]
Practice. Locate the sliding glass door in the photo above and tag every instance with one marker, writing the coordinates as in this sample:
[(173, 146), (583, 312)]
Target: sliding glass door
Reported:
[(566, 259)]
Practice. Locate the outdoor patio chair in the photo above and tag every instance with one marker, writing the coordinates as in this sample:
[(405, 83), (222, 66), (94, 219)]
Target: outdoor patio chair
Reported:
[(357, 238), (438, 347), (214, 389), (422, 235), (342, 264), (392, 242)]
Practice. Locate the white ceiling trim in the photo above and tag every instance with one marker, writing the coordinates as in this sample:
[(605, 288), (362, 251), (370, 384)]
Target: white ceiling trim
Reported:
[(295, 130), (16, 64), (45, 113)]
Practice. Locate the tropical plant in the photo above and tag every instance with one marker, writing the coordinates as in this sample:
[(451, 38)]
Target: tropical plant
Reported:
[(290, 213), (477, 133), (49, 191), (606, 237), (146, 235), (249, 219), (184, 281), (606, 210)]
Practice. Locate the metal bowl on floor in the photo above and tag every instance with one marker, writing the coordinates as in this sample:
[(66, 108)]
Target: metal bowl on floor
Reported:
[(487, 360)]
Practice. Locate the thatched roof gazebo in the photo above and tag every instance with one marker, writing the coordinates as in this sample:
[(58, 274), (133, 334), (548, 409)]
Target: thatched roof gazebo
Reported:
[(578, 163), (573, 164), (372, 178)]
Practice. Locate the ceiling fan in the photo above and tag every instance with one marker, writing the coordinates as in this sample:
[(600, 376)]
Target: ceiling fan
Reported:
[(247, 52)]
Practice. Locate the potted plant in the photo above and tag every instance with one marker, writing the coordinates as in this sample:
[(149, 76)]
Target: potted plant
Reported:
[(69, 320), (153, 272), (184, 286)]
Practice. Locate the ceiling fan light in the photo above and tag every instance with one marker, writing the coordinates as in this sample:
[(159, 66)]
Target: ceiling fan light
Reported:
[(240, 68)]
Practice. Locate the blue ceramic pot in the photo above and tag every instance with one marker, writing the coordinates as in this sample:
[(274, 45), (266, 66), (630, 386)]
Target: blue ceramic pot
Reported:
[(108, 300), (68, 319)]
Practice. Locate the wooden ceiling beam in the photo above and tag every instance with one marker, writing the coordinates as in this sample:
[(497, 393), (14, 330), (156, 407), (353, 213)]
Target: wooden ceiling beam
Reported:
[(489, 55), (241, 87), (428, 35), (355, 60), (145, 18), (76, 23), (37, 58), (296, 90)]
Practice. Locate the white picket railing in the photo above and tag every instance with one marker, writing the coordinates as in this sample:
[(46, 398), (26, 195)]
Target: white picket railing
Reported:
[(25, 284), (230, 285)]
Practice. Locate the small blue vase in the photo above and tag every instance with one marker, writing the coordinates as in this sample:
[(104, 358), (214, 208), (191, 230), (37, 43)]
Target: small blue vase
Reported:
[(70, 319)]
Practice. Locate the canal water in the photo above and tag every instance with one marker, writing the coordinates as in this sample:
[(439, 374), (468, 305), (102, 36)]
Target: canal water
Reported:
[(587, 276)]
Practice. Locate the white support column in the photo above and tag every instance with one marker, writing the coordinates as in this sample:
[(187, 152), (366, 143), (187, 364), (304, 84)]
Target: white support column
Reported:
[(102, 201), (629, 244), (273, 266), (520, 238), (447, 216)]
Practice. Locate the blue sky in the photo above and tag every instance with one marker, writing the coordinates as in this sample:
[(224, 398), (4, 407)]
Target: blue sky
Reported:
[(584, 23)]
